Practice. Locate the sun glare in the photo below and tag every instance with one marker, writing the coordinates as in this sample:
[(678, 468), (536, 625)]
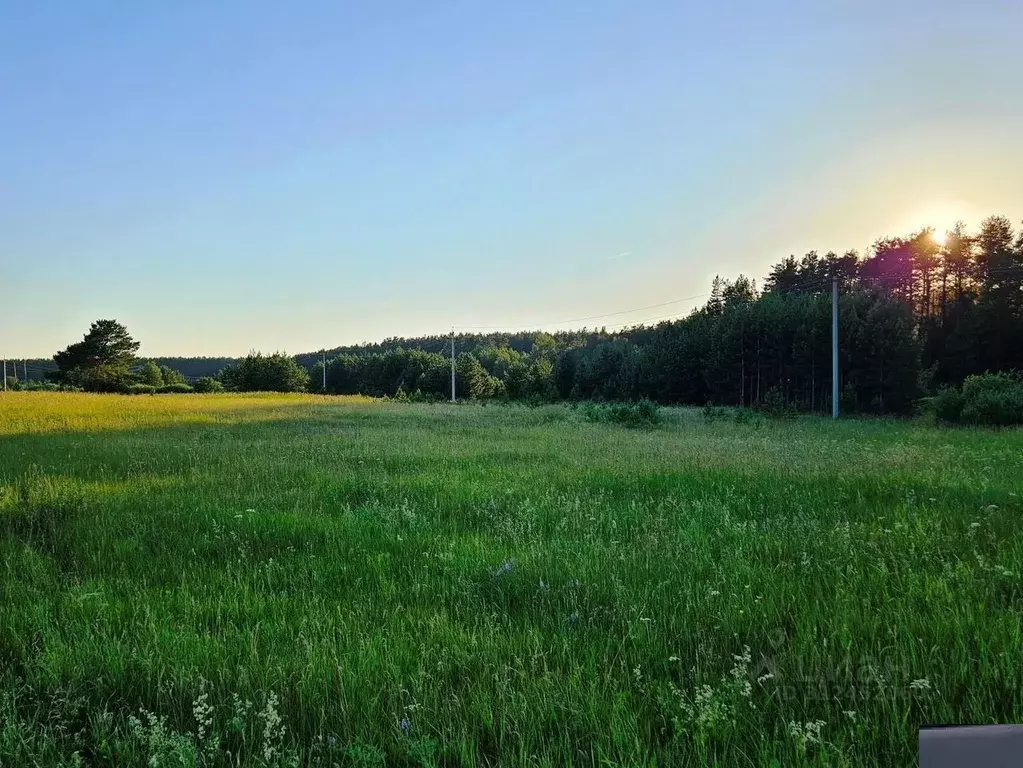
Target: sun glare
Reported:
[(940, 217)]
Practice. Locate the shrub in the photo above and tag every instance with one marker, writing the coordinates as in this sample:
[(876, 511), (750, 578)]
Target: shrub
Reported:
[(987, 399), (643, 413), (208, 385), (748, 416), (775, 406), (141, 389), (993, 399), (429, 397), (947, 405), (37, 385), (266, 373), (712, 413), (171, 389)]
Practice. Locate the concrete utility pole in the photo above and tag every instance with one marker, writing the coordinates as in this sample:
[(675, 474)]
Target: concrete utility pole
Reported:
[(834, 347), (324, 370), (5, 375), (452, 365)]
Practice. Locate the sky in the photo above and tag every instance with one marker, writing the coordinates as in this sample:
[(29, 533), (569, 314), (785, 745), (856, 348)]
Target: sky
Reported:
[(230, 176)]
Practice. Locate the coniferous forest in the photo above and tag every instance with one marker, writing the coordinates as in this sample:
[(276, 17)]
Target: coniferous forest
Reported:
[(916, 314)]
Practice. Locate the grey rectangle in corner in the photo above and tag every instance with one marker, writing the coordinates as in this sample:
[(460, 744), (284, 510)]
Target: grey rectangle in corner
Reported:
[(972, 746)]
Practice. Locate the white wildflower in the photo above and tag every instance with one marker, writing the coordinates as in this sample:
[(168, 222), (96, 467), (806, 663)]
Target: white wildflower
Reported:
[(202, 711), (273, 728), (806, 734)]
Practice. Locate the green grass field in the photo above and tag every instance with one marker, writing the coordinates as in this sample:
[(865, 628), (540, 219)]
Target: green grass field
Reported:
[(291, 580)]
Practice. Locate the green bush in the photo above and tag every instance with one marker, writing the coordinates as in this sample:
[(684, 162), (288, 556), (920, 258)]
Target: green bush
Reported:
[(775, 406), (993, 399), (947, 405), (712, 413), (265, 373), (42, 385), (429, 397), (208, 385), (748, 416), (643, 413), (987, 399), (169, 389), (141, 389)]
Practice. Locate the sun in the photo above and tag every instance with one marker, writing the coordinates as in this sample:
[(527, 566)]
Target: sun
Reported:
[(940, 217)]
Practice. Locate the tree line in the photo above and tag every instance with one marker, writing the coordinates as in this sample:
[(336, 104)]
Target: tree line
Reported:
[(915, 313)]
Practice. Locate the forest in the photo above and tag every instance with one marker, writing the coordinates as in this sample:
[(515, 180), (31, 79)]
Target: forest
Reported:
[(916, 314)]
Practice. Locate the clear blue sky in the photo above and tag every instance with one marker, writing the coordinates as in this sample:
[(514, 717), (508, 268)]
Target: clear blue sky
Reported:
[(230, 175)]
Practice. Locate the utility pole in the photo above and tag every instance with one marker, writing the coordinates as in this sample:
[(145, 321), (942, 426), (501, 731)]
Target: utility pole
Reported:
[(5, 374), (834, 347), (452, 364), (324, 370)]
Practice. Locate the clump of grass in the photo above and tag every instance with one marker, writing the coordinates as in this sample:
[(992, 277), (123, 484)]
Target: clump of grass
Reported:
[(642, 413)]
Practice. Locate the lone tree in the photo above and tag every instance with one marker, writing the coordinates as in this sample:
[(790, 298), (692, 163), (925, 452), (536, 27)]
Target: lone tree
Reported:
[(101, 361)]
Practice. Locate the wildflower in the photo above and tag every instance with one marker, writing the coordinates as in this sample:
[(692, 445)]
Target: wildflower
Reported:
[(202, 711), (713, 593), (406, 726), (273, 728), (921, 684), (674, 658), (506, 567), (765, 677), (806, 733), (850, 714), (573, 619), (331, 740)]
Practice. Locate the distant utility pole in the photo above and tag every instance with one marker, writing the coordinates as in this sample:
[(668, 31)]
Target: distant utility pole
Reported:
[(5, 373), (324, 370), (452, 364), (834, 347)]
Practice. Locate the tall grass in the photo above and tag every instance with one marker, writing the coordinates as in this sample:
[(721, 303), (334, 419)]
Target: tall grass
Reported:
[(280, 580)]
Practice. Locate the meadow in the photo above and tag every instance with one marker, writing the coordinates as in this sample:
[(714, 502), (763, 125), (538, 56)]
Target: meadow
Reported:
[(261, 580)]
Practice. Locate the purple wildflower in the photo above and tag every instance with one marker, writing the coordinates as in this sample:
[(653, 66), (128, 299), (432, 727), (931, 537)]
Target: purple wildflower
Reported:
[(506, 567), (406, 726)]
